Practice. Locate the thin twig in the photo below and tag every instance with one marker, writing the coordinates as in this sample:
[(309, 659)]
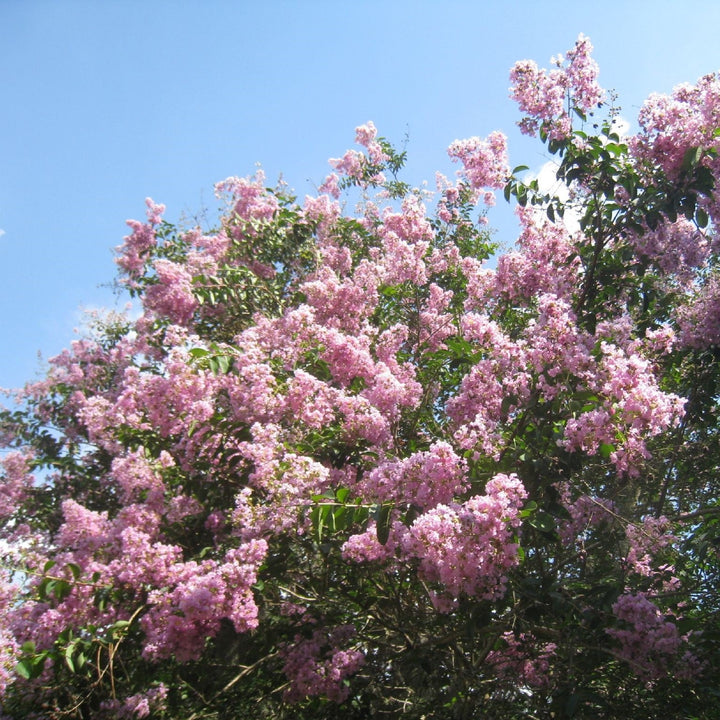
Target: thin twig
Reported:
[(245, 671)]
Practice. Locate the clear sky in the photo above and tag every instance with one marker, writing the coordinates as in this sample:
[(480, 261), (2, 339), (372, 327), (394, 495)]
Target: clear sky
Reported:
[(106, 102)]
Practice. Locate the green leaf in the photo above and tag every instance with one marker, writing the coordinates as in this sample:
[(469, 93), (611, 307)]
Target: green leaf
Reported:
[(43, 588), (701, 217), (225, 362), (69, 656), (339, 519), (691, 158), (80, 660), (31, 667), (118, 629), (25, 669), (361, 515), (318, 523), (542, 521), (382, 519), (60, 589)]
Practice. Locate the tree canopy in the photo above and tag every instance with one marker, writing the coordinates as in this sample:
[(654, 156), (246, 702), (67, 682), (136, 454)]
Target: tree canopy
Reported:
[(351, 459)]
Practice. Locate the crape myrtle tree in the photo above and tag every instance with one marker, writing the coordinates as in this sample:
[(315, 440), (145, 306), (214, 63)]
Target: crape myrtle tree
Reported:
[(354, 464)]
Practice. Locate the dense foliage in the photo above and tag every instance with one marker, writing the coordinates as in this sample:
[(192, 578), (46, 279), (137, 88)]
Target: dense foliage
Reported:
[(361, 464)]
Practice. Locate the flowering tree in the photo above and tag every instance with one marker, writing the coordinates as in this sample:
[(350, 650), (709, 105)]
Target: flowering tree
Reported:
[(360, 464)]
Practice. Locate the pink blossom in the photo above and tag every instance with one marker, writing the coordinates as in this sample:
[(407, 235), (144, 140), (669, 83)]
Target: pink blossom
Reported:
[(469, 548), (523, 659), (632, 407), (365, 546), (250, 202), (485, 162), (139, 705), (678, 248), (547, 98), (318, 665), (331, 186), (582, 72), (9, 647), (673, 124), (172, 295), (699, 318), (544, 262), (645, 541), (365, 135), (423, 479), (351, 164), (199, 596), (15, 482), (649, 642), (85, 531), (136, 248)]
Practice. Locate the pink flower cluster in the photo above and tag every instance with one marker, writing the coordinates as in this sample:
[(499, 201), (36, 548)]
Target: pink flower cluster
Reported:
[(185, 600), (632, 408), (140, 705), (317, 666), (469, 548), (132, 254), (545, 261), (424, 479), (485, 162), (9, 647), (365, 547), (172, 295), (353, 164), (649, 642), (673, 124), (699, 318), (523, 660), (280, 484), (366, 135), (17, 480), (586, 513), (678, 249), (646, 540), (193, 598), (547, 98), (249, 201)]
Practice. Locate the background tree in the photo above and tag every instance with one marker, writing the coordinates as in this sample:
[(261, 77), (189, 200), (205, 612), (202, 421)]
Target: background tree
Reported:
[(342, 464)]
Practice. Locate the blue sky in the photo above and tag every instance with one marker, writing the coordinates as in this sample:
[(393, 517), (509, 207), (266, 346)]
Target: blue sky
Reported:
[(107, 102)]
